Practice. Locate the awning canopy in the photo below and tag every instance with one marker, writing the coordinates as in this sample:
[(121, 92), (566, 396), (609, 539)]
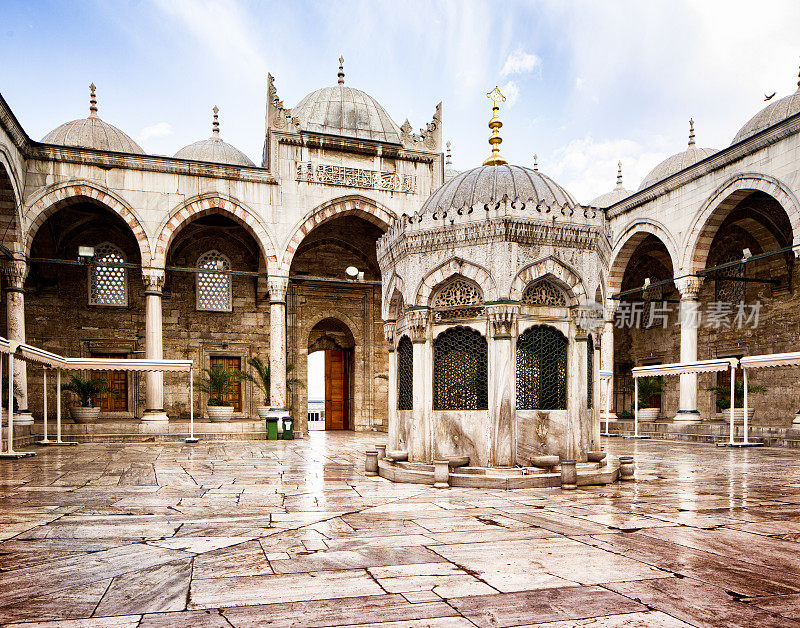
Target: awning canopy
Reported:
[(605, 374), (679, 368), (771, 360)]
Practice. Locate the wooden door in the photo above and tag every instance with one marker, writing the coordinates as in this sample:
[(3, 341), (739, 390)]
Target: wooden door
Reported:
[(118, 380), (233, 364), (337, 390)]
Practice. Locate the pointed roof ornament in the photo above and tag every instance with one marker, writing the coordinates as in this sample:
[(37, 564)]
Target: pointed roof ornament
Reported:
[(798, 81), (341, 71), (494, 124), (448, 160), (92, 102), (619, 175), (536, 163), (691, 132), (215, 124)]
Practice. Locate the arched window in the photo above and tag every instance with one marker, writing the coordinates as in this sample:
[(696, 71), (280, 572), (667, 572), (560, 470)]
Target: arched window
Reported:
[(727, 284), (405, 374), (542, 369), (458, 298), (460, 373), (108, 281), (214, 288), (542, 291), (589, 372)]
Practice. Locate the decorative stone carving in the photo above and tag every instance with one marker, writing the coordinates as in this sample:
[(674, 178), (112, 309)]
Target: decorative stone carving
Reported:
[(458, 298), (277, 289), (153, 279), (15, 272), (542, 291), (502, 318), (279, 117), (418, 324), (327, 174), (429, 138), (689, 287), (388, 332)]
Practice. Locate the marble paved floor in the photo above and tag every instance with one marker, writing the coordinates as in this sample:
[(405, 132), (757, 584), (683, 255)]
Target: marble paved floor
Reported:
[(280, 533)]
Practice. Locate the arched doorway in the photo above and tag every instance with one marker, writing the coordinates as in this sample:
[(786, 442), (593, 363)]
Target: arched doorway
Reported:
[(333, 340)]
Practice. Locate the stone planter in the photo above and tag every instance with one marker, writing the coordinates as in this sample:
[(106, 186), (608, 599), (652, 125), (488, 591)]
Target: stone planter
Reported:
[(649, 414), (371, 463), (738, 415), (569, 475), (219, 413), (80, 414), (627, 468)]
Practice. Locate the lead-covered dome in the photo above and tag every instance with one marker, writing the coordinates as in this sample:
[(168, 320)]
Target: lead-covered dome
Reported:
[(92, 132), (487, 184), (214, 149), (771, 114), (678, 162)]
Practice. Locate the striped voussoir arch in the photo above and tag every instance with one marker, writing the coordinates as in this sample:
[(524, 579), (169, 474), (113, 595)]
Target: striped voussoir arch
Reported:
[(553, 268), (626, 246), (456, 267)]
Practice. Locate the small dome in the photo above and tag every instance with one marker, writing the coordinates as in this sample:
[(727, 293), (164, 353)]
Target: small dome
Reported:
[(486, 184), (214, 150), (771, 114), (614, 196), (92, 132), (678, 162)]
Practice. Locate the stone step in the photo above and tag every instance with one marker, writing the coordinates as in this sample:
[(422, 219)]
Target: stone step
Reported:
[(708, 432)]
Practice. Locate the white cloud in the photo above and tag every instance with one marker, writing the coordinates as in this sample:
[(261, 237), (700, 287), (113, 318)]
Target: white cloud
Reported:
[(579, 83), (160, 129), (511, 91), (520, 62)]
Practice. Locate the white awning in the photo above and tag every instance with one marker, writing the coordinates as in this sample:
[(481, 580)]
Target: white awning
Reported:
[(121, 364), (679, 368), (605, 374), (34, 354), (771, 360)]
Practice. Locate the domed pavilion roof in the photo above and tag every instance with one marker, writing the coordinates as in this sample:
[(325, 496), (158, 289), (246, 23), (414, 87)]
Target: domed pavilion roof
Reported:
[(214, 149), (771, 114), (678, 162), (92, 132), (614, 196)]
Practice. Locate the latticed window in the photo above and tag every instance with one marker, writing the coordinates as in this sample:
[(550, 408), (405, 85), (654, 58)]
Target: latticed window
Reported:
[(458, 298), (542, 291), (542, 369), (730, 290), (589, 372), (405, 374), (108, 283), (214, 288), (460, 373)]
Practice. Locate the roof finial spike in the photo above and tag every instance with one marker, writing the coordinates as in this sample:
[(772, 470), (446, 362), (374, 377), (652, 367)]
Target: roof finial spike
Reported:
[(536, 163), (798, 81), (448, 161), (494, 124), (691, 132), (619, 175), (92, 101), (215, 124), (341, 71)]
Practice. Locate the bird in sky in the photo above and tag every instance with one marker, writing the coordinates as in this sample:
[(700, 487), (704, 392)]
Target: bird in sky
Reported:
[(770, 96)]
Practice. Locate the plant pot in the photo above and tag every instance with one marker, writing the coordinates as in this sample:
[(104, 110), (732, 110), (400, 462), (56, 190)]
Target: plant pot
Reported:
[(649, 414), (263, 411), (219, 413), (738, 415), (80, 414)]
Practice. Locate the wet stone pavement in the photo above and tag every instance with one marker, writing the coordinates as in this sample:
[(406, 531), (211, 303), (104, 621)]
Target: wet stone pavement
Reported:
[(280, 533)]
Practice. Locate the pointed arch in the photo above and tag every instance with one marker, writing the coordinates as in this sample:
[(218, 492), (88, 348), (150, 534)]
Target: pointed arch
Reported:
[(626, 244), (555, 270), (394, 288), (10, 209), (455, 266)]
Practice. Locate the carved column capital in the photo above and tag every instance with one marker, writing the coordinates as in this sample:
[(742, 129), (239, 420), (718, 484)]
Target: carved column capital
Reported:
[(15, 272), (153, 280), (418, 324), (389, 327), (502, 317), (278, 285), (689, 287)]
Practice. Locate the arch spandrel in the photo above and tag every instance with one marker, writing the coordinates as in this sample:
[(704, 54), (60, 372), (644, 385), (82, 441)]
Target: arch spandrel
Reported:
[(624, 247), (450, 268), (555, 270)]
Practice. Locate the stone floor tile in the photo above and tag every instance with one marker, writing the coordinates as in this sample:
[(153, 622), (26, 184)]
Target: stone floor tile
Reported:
[(244, 559), (152, 590), (648, 619)]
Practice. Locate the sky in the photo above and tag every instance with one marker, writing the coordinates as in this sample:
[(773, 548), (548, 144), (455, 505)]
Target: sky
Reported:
[(587, 83)]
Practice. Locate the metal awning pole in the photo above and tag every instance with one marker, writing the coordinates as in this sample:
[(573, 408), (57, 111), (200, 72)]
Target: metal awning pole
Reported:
[(744, 382), (636, 408), (10, 448), (44, 397), (733, 400), (1, 422), (192, 438), (608, 404), (58, 405)]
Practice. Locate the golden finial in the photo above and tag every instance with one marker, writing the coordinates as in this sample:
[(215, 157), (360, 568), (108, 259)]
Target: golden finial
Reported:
[(619, 175), (215, 124), (448, 161), (536, 163), (494, 124), (92, 101), (691, 132), (341, 71)]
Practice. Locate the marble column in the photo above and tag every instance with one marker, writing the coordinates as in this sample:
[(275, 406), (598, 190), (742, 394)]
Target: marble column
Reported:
[(420, 437), (689, 287), (391, 415), (278, 286), (15, 272), (153, 344), (502, 377), (577, 432), (607, 364)]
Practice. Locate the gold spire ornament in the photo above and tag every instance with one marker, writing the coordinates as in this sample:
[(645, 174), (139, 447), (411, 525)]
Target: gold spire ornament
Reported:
[(494, 124)]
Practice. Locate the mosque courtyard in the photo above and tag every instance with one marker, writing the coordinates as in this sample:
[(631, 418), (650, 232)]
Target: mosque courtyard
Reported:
[(292, 533)]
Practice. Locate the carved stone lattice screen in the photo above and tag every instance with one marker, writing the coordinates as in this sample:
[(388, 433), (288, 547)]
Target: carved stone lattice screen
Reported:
[(214, 288), (544, 292), (589, 372), (730, 290), (457, 299), (405, 374), (108, 285), (460, 373), (542, 369)]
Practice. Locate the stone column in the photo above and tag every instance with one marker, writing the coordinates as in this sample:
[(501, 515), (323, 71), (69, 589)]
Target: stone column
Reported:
[(153, 344), (577, 432), (502, 388), (689, 321), (420, 437), (607, 364), (15, 272), (391, 415), (278, 286)]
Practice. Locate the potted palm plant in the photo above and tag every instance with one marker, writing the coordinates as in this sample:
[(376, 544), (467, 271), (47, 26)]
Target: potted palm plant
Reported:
[(218, 381), (723, 394), (648, 387), (262, 380), (87, 390)]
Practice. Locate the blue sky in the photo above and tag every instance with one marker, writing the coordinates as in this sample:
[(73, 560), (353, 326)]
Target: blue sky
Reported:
[(588, 83)]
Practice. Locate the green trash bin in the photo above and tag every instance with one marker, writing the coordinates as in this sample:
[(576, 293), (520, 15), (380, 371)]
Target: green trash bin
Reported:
[(288, 425), (272, 428)]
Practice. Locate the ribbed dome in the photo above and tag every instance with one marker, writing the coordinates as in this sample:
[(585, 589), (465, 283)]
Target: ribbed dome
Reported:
[(614, 196), (214, 149), (487, 184), (678, 162), (92, 132), (769, 115)]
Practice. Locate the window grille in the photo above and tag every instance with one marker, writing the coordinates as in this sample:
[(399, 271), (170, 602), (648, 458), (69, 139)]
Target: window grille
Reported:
[(214, 288), (405, 374), (542, 369), (589, 373), (457, 299), (730, 290), (108, 283), (653, 292), (460, 372), (542, 291)]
